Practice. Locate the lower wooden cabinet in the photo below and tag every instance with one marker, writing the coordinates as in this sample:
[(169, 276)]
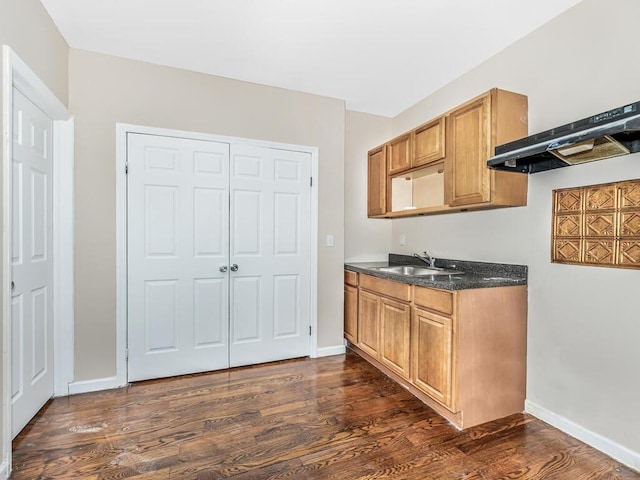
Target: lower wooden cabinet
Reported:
[(369, 322), (351, 281), (351, 313), (432, 354), (462, 352), (395, 321), (384, 322)]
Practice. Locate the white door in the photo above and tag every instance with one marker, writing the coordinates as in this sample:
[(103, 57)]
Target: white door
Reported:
[(178, 208), (270, 254), (190, 259), (32, 263)]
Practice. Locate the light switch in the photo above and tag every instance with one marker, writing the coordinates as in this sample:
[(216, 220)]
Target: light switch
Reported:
[(329, 241), (403, 240)]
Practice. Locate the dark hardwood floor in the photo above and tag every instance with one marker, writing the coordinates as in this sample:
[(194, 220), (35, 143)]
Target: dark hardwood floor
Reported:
[(329, 418)]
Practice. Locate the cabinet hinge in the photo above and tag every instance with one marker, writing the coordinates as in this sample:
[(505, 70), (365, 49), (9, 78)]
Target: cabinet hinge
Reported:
[(311, 181), (126, 167), (126, 354), (309, 330)]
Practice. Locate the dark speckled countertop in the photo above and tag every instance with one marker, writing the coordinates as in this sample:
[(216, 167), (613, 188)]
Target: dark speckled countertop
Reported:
[(474, 274)]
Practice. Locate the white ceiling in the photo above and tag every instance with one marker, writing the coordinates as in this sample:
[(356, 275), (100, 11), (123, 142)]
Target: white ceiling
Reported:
[(380, 56)]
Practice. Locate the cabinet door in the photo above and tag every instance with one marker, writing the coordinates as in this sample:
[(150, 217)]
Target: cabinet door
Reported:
[(368, 322), (432, 353), (468, 180), (400, 153), (395, 321), (428, 143), (351, 313), (377, 182)]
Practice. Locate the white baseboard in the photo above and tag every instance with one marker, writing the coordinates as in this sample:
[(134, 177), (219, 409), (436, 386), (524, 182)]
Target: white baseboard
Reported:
[(328, 351), (108, 383), (616, 451), (86, 386), (4, 470)]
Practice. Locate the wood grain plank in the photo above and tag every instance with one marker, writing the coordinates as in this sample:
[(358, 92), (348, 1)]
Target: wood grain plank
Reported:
[(328, 418)]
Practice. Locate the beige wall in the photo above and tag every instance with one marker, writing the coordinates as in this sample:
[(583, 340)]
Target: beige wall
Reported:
[(105, 90), (365, 239), (26, 27), (584, 326)]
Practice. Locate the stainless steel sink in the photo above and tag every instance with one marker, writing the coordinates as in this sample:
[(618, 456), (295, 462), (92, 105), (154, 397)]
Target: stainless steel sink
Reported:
[(411, 271)]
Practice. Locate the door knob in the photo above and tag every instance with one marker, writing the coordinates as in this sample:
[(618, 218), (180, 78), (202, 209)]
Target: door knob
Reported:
[(234, 267), (223, 268)]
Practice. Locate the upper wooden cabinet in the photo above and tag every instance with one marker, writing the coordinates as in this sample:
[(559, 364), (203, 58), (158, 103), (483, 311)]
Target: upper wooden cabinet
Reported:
[(473, 131), (429, 142), (400, 153), (421, 146), (458, 143), (467, 179), (377, 182)]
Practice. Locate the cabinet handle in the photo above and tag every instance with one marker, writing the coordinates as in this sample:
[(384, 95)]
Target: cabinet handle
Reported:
[(223, 268), (234, 267)]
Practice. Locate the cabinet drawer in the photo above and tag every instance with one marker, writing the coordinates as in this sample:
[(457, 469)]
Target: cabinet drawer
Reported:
[(388, 288), (433, 299), (351, 278)]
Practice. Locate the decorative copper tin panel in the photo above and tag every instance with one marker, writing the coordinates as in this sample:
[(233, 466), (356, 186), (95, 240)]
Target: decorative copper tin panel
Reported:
[(630, 194), (629, 254), (630, 224), (601, 197), (568, 225), (568, 251), (599, 251), (597, 225), (600, 224), (568, 200)]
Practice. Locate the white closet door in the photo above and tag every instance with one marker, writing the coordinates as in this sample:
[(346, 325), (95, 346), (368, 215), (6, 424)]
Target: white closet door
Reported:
[(32, 263), (178, 207), (271, 246)]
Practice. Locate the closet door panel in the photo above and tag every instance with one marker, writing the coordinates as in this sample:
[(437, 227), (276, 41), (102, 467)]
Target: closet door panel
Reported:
[(178, 205)]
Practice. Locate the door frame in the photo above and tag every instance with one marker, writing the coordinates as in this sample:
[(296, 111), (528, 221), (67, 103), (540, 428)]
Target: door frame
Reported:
[(16, 73), (122, 129)]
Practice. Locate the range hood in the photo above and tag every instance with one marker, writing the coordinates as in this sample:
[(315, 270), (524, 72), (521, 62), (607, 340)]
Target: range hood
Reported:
[(605, 135)]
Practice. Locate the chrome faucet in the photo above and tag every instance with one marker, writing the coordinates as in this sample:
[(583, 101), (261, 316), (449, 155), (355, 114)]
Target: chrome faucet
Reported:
[(427, 258)]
